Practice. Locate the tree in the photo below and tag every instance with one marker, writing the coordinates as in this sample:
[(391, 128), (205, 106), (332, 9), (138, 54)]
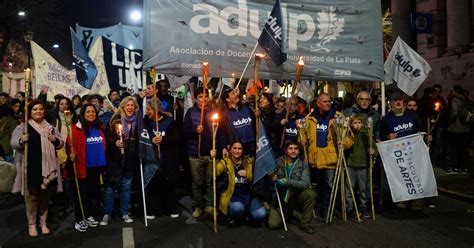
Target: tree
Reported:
[(47, 19)]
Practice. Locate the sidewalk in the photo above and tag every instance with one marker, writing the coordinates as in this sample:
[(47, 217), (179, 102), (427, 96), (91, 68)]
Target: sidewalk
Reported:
[(459, 186)]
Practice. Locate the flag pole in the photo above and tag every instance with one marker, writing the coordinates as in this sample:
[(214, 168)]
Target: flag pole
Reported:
[(281, 209), (25, 131), (382, 174), (246, 65), (143, 192)]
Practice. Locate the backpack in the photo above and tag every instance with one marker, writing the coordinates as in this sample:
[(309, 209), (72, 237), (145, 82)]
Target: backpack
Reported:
[(466, 112)]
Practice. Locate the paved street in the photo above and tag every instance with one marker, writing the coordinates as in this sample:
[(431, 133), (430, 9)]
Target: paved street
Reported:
[(451, 224)]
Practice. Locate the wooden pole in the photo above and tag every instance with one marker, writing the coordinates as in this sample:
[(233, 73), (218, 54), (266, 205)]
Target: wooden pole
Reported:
[(370, 125), (25, 131), (299, 70), (215, 126), (205, 73), (68, 117), (155, 103), (258, 59)]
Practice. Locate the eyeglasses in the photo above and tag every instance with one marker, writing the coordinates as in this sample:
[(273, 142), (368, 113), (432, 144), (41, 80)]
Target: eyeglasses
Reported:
[(364, 99)]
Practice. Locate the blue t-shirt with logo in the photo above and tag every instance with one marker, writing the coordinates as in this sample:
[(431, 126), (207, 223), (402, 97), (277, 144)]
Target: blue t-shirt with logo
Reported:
[(95, 152), (241, 123), (401, 125)]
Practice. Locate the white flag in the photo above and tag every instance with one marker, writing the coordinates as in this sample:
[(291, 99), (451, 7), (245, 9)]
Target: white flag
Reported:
[(60, 80), (408, 167), (406, 67)]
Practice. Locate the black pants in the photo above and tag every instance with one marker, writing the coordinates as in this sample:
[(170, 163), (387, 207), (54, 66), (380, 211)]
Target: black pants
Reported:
[(457, 143), (161, 195), (85, 200)]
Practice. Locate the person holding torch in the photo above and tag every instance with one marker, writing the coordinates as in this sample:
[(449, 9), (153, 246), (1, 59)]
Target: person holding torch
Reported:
[(121, 166), (86, 151), (199, 161)]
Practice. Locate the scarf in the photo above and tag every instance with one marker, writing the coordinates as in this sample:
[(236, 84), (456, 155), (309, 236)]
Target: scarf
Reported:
[(132, 120), (48, 159)]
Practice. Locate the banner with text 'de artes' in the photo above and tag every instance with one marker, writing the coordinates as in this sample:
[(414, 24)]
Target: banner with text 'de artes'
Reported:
[(337, 39), (124, 67)]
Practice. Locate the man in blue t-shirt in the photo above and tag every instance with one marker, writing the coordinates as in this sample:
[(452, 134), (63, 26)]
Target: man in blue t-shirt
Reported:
[(400, 122)]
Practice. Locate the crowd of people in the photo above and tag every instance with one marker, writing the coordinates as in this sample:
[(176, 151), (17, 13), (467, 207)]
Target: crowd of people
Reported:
[(92, 148)]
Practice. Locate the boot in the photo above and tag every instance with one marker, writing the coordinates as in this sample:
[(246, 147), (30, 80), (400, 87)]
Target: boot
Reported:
[(32, 231), (44, 215), (31, 207)]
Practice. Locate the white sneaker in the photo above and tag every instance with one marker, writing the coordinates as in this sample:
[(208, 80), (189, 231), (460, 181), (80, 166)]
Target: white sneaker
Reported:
[(127, 219), (81, 226), (174, 216), (92, 222), (105, 220), (150, 217)]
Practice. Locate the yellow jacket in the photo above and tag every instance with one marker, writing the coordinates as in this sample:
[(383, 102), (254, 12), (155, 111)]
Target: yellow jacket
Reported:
[(323, 157), (227, 165)]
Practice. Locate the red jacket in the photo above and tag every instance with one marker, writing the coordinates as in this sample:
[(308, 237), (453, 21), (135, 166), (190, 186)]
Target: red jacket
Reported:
[(79, 147)]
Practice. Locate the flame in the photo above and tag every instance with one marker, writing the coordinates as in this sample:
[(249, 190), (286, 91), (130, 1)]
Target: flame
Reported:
[(120, 128), (205, 64), (301, 62), (233, 74), (215, 117), (260, 56), (437, 106)]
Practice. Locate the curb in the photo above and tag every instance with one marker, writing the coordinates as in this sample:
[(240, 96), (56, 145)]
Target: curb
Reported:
[(456, 195)]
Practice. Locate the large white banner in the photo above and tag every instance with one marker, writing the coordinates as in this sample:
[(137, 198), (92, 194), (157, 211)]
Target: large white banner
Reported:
[(338, 39), (59, 80), (408, 167), (406, 67)]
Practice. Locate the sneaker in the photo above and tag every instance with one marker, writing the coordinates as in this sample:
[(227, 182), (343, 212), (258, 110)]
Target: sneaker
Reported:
[(150, 217), (209, 210), (174, 215), (105, 220), (197, 213), (127, 219), (366, 214), (81, 226), (450, 171), (91, 222), (463, 171), (307, 229)]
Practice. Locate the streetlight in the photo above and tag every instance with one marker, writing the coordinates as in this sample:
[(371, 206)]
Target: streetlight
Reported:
[(55, 46), (135, 15), (21, 13)]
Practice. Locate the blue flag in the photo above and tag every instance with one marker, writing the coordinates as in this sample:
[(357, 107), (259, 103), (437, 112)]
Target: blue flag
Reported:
[(272, 36), (265, 159), (85, 67)]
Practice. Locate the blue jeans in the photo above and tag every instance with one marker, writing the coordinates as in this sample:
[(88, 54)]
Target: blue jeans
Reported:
[(257, 211), (125, 193)]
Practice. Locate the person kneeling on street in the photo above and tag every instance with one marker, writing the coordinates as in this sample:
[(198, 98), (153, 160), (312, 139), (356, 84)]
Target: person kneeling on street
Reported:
[(292, 180), (238, 200)]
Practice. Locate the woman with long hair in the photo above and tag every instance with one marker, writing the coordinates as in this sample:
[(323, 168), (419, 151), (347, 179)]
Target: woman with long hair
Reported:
[(122, 158), (86, 151), (42, 166), (238, 199), (57, 118)]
